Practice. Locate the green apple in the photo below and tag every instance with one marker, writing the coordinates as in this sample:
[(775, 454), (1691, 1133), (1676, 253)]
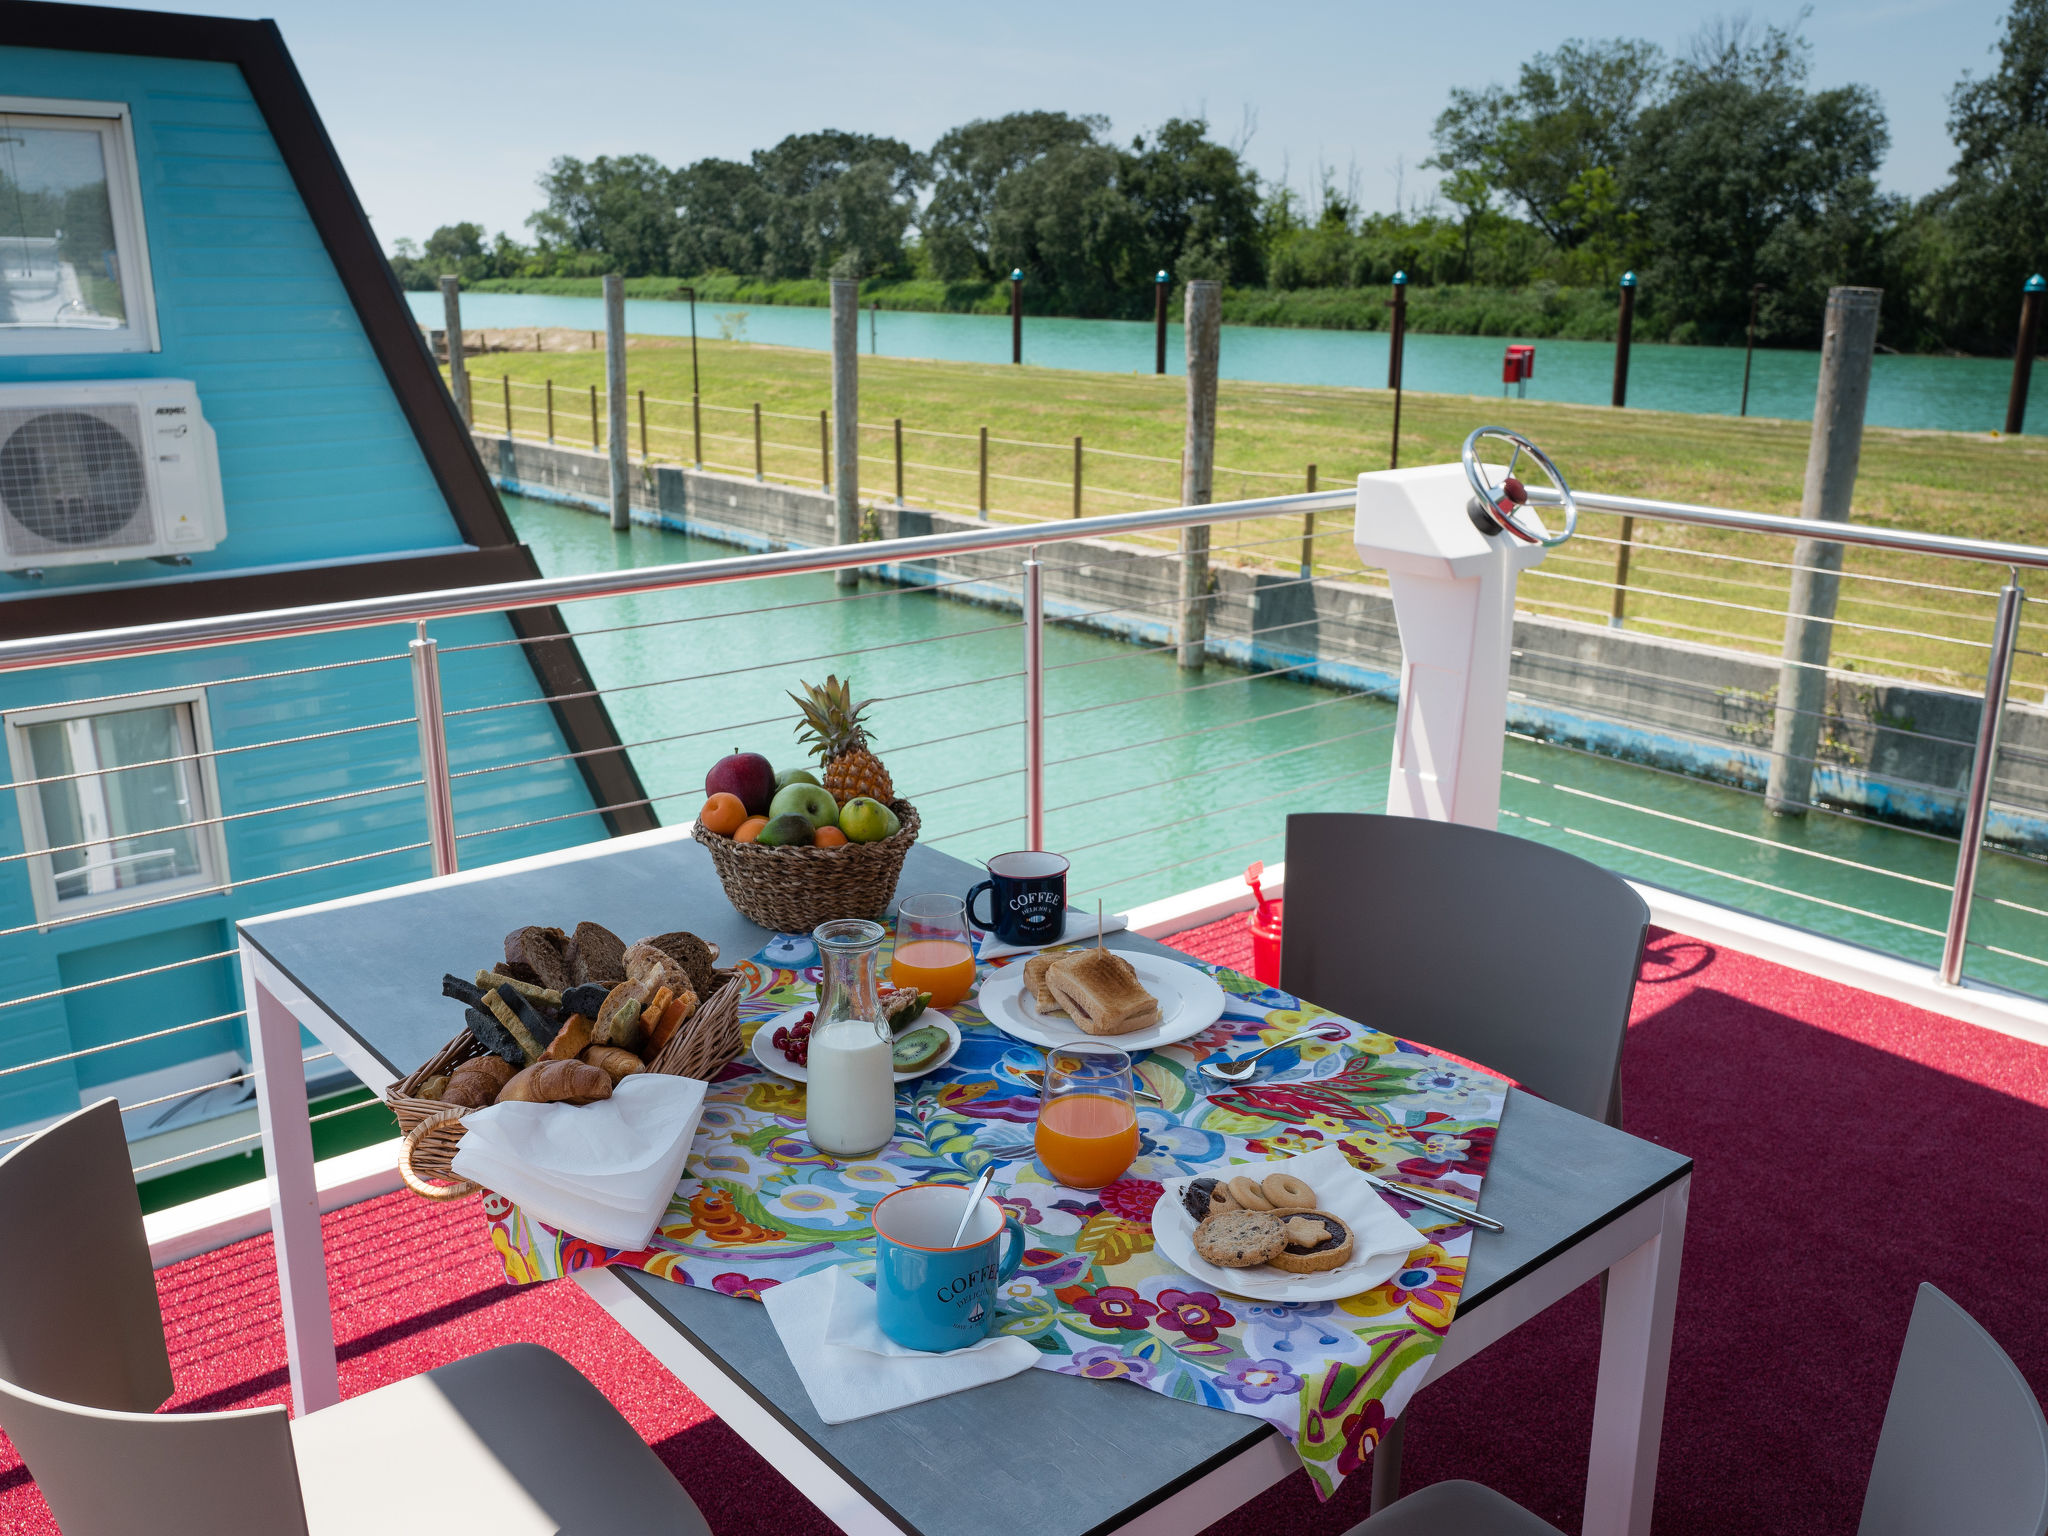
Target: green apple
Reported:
[(790, 776), (811, 801), (867, 821)]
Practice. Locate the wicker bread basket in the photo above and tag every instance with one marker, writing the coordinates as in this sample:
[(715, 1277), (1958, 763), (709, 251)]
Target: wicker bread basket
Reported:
[(792, 890), (706, 1043)]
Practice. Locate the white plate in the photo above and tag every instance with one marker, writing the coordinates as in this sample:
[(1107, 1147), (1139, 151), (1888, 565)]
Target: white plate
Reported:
[(1340, 1191), (1189, 1002), (763, 1049)]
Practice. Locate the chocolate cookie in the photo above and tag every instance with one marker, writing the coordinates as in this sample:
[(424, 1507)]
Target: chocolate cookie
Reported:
[(1198, 1198), (1240, 1239), (1312, 1241)]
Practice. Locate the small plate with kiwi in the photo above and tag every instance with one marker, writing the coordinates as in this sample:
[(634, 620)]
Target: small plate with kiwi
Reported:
[(922, 1044)]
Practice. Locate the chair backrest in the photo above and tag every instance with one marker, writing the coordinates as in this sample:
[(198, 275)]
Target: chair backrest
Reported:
[(1495, 948), (1964, 1446), (78, 1311), (158, 1474)]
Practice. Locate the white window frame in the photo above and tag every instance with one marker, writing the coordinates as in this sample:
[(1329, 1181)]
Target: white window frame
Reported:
[(206, 826), (131, 241)]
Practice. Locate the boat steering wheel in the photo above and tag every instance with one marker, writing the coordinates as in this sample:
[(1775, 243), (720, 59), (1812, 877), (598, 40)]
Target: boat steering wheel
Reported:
[(1505, 507)]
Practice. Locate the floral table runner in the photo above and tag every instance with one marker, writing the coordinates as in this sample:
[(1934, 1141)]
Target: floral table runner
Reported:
[(759, 1205)]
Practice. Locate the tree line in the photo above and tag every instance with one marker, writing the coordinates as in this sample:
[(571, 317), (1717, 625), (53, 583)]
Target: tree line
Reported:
[(1717, 173)]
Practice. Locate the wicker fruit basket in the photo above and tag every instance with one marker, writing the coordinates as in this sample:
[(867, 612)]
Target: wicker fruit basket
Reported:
[(707, 1042), (792, 890)]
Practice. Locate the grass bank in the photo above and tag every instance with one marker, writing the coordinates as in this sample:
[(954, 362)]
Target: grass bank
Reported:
[(1920, 618), (1541, 311)]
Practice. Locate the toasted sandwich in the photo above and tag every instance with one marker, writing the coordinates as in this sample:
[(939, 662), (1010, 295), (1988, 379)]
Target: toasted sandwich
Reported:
[(1100, 989)]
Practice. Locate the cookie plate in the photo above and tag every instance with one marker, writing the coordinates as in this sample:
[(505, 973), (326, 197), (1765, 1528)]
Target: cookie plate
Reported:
[(1382, 1240), (765, 1055), (1189, 1002)]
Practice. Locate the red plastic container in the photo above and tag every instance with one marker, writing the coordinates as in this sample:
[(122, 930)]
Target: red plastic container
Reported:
[(1264, 922), (1519, 364)]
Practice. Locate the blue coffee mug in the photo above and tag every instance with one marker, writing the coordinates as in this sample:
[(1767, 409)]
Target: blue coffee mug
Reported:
[(930, 1294), (1027, 898)]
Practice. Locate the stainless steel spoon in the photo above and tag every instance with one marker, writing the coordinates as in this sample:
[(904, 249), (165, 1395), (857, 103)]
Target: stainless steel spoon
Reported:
[(973, 1200), (1241, 1070)]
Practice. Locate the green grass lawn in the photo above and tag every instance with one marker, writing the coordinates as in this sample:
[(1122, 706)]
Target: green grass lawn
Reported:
[(1686, 583)]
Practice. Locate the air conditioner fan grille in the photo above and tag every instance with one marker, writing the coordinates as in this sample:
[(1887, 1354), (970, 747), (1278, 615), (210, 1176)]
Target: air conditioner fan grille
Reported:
[(71, 479)]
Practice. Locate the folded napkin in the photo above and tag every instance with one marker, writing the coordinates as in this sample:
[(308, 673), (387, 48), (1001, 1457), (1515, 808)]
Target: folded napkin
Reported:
[(852, 1369), (1080, 925), (602, 1171)]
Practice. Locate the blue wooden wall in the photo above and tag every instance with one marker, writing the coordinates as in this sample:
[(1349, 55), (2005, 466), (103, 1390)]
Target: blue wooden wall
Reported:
[(318, 465)]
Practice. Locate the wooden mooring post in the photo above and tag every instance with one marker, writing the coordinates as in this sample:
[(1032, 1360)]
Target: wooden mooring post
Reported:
[(618, 431), (1203, 323), (1077, 477), (845, 466), (981, 501), (760, 466), (451, 319), (551, 410), (1395, 340), (1308, 531), (2023, 356)]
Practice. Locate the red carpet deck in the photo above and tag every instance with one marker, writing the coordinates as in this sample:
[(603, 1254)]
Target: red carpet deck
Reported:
[(1847, 1147)]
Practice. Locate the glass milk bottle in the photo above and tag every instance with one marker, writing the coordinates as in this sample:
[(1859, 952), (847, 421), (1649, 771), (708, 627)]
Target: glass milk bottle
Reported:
[(850, 1100)]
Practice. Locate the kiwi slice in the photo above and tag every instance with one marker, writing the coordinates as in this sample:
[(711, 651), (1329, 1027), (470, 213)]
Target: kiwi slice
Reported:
[(919, 1047)]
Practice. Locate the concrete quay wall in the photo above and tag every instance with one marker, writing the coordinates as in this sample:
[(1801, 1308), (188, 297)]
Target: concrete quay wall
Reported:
[(1894, 751)]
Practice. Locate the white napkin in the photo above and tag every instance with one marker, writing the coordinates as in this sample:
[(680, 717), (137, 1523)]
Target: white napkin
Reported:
[(852, 1369), (602, 1171), (1080, 925)]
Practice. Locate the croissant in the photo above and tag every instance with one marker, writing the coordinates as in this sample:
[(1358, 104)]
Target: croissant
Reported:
[(557, 1082)]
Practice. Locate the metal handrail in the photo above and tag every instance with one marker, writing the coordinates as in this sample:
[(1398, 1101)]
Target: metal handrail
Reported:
[(2033, 556), (540, 592)]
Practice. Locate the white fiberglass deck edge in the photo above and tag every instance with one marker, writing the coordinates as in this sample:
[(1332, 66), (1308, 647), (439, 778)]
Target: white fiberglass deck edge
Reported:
[(229, 1215)]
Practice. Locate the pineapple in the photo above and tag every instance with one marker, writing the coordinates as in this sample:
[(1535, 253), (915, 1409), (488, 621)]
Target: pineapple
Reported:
[(834, 731)]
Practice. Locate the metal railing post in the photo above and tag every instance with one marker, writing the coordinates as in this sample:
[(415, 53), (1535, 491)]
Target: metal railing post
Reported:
[(426, 698), (1997, 678), (1034, 702)]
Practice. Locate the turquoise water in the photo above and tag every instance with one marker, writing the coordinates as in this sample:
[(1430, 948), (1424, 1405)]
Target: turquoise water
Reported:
[(1159, 780), (1955, 393)]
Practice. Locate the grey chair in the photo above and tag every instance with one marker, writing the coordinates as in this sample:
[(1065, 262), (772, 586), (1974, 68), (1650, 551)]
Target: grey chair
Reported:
[(1497, 949), (1964, 1448), (513, 1440)]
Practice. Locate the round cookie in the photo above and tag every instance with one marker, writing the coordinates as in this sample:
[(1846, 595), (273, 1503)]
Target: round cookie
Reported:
[(1240, 1239), (1312, 1241), (1288, 1193), (1249, 1195)]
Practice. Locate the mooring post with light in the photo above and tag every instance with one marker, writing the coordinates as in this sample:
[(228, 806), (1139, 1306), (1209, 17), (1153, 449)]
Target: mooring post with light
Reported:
[(1397, 337), (2023, 356), (1016, 314), (1624, 333), (1159, 286)]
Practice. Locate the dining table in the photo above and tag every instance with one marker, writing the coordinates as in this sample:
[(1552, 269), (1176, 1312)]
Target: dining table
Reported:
[(1053, 1454)]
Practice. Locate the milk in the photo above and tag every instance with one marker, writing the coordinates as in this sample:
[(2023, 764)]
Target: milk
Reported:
[(850, 1100)]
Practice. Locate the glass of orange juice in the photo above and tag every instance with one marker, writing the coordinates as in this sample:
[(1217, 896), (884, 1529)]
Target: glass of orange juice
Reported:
[(933, 952), (1087, 1120)]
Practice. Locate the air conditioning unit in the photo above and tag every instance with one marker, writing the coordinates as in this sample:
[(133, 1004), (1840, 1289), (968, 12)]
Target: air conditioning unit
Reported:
[(116, 469)]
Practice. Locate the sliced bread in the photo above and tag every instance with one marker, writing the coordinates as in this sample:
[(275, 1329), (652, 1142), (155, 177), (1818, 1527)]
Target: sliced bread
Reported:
[(692, 954), (541, 951), (596, 955)]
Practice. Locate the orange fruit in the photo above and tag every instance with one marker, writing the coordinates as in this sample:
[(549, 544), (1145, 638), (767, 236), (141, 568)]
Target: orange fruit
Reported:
[(750, 828), (829, 837), (723, 814)]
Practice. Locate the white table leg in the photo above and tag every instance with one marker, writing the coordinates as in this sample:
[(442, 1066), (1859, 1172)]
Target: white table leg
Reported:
[(1635, 1362), (294, 1197)]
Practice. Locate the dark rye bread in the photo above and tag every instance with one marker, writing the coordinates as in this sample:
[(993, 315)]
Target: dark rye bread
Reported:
[(597, 957), (692, 954), (540, 951)]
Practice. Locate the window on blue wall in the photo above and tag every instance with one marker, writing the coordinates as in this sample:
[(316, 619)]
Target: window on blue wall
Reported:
[(120, 803), (74, 263)]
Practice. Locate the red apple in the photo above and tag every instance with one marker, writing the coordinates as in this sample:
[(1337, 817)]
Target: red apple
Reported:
[(746, 774)]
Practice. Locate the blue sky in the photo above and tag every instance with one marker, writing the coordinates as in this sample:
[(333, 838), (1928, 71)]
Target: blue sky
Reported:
[(447, 109)]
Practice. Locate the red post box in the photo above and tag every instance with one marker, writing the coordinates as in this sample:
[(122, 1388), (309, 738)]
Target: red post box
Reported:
[(1518, 367)]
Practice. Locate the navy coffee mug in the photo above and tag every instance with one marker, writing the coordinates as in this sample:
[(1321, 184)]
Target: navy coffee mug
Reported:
[(930, 1292), (1028, 894)]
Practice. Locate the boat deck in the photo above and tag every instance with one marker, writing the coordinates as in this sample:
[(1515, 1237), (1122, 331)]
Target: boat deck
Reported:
[(1847, 1147)]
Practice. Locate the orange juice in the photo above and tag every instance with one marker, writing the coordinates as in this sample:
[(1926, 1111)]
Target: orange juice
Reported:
[(942, 967), (1087, 1139)]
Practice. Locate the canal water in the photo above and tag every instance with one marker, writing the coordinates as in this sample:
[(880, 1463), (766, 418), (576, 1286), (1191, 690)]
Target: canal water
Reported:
[(1953, 393), (1160, 780)]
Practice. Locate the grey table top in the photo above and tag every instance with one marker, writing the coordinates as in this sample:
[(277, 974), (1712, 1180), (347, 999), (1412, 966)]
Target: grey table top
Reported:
[(1051, 1454)]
